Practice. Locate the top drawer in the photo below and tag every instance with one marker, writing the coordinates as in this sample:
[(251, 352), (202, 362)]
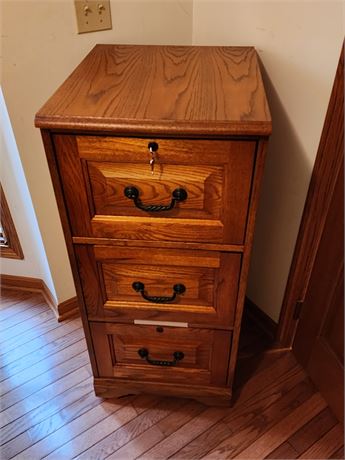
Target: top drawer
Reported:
[(198, 191)]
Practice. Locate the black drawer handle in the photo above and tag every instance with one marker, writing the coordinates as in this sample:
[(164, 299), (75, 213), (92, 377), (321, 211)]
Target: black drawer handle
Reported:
[(179, 194), (138, 286), (144, 354)]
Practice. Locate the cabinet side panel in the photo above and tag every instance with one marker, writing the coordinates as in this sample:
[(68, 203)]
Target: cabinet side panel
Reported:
[(55, 176), (73, 186), (255, 192)]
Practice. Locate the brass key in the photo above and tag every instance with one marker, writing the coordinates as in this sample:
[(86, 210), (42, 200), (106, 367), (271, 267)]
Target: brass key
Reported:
[(152, 161), (153, 147), (152, 164)]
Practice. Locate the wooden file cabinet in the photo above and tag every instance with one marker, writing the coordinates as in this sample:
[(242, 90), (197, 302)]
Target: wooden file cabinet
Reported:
[(159, 252)]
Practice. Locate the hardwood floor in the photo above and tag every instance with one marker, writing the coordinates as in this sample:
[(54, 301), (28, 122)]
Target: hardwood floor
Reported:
[(48, 408)]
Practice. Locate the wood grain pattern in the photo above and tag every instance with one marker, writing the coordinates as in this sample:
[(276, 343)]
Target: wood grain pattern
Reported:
[(213, 395), (73, 185), (275, 398), (26, 375), (9, 303), (206, 90), (167, 447), (43, 385), (206, 352), (159, 244), (211, 279), (284, 451), (23, 423), (52, 160), (339, 453), (33, 402), (77, 418), (30, 359), (14, 321), (207, 440), (27, 336), (246, 424), (326, 445), (218, 187), (90, 436), (305, 436), (282, 430), (257, 180), (134, 428), (12, 334), (34, 392), (143, 442), (46, 428), (56, 413)]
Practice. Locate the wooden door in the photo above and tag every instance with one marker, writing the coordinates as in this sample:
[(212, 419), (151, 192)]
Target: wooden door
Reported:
[(319, 340), (319, 337)]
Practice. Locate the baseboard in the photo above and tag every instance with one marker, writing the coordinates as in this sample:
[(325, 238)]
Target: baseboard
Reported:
[(67, 309), (263, 321)]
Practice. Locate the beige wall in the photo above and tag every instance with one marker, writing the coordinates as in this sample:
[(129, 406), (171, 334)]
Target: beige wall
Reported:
[(35, 263), (299, 44), (40, 47)]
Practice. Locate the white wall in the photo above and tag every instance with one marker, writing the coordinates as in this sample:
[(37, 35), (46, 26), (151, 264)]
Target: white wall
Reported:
[(40, 47), (35, 263), (299, 45)]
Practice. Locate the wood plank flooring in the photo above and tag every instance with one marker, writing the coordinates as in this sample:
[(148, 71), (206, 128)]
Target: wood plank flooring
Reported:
[(49, 410)]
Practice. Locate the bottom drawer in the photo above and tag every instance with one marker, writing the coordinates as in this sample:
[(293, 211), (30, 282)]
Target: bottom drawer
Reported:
[(166, 354)]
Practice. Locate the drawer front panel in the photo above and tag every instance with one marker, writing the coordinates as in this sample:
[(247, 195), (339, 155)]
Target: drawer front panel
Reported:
[(161, 353), (203, 185), (215, 175), (137, 283)]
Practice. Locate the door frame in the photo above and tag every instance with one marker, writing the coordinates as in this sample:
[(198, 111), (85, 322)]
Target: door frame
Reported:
[(327, 165)]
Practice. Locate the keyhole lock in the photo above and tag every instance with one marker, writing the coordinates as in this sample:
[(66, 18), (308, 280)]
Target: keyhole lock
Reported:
[(153, 147), (159, 329)]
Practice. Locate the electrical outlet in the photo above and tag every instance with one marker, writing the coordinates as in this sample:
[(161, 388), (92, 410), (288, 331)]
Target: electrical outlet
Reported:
[(92, 15)]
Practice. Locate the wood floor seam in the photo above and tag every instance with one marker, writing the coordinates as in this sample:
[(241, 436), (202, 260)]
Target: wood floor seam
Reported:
[(36, 313), (6, 373), (52, 321), (29, 350), (39, 390), (33, 440), (34, 377), (27, 425), (49, 410), (28, 409)]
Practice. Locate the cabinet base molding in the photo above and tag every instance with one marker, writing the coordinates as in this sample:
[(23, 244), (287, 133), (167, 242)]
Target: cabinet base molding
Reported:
[(117, 388), (63, 310)]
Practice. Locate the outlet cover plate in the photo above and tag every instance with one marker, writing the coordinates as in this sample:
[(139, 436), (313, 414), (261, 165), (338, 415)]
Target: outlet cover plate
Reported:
[(92, 15)]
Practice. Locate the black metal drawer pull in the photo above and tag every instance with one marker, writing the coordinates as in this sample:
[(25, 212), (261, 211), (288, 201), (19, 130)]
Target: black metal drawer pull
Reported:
[(179, 194), (138, 286), (144, 354)]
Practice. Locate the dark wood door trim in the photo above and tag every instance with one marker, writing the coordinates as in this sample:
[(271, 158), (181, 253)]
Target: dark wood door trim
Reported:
[(327, 165), (12, 249)]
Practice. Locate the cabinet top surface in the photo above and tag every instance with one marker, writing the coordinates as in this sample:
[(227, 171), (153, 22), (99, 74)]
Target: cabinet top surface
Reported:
[(173, 90)]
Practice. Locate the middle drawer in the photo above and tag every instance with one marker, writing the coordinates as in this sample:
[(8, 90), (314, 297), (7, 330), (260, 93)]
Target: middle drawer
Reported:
[(193, 286)]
